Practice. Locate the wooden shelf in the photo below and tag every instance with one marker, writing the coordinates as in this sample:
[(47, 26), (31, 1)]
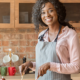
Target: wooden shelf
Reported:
[(70, 1), (63, 1), (32, 25), (75, 24), (25, 25)]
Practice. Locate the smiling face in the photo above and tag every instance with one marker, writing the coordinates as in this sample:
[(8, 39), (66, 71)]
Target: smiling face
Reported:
[(49, 14)]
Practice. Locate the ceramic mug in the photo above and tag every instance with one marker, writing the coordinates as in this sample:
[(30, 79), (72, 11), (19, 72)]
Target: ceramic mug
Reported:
[(12, 71), (3, 71), (15, 58), (6, 59)]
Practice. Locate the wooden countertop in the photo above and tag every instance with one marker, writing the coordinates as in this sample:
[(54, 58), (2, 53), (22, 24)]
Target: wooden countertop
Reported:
[(18, 77), (32, 77), (75, 76)]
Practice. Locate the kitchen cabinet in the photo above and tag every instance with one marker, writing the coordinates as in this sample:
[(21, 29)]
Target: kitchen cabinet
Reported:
[(23, 9), (6, 13), (17, 13), (21, 4)]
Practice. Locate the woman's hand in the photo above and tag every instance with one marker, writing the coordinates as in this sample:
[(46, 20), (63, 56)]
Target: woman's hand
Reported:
[(24, 67), (42, 69)]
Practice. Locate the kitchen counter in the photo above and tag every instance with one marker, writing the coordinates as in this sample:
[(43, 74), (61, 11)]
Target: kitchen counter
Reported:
[(75, 76), (18, 77), (32, 77)]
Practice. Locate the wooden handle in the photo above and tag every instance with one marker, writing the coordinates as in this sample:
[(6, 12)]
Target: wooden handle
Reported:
[(10, 57)]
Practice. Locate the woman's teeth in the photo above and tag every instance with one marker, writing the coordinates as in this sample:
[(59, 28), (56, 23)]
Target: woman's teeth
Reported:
[(49, 19)]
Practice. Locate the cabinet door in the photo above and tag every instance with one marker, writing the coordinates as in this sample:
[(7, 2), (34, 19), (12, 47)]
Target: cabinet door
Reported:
[(6, 13), (23, 13), (70, 1)]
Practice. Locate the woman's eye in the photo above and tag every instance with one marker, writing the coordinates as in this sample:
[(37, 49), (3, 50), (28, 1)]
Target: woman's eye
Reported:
[(42, 12), (50, 10)]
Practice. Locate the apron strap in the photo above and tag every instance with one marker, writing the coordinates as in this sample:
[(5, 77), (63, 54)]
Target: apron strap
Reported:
[(58, 33), (41, 37)]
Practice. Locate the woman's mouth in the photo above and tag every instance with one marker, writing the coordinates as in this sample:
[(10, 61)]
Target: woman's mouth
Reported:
[(48, 19)]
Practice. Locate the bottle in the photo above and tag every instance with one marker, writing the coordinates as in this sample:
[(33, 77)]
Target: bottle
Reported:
[(3, 78), (24, 60)]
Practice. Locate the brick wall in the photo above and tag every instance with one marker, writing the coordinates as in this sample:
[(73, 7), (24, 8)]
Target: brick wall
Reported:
[(21, 41)]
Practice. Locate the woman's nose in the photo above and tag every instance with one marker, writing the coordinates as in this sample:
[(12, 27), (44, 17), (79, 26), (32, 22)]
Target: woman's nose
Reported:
[(47, 14)]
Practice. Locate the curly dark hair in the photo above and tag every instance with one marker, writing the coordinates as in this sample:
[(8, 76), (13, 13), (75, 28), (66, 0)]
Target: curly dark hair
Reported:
[(61, 12)]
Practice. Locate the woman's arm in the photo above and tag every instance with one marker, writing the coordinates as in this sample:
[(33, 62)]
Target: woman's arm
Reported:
[(74, 65)]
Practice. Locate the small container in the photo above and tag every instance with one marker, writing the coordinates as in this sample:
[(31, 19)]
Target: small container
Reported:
[(24, 60), (2, 78)]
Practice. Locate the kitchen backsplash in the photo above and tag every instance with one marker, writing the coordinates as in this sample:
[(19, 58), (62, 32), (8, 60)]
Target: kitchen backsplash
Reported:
[(22, 42)]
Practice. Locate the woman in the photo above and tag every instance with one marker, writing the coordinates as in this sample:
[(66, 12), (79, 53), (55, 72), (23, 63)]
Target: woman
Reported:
[(57, 50)]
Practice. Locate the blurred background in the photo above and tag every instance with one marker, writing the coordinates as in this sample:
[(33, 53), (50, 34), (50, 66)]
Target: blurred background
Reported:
[(17, 31)]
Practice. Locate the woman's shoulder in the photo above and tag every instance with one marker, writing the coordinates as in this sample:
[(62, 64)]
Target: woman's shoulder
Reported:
[(68, 33), (72, 32)]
